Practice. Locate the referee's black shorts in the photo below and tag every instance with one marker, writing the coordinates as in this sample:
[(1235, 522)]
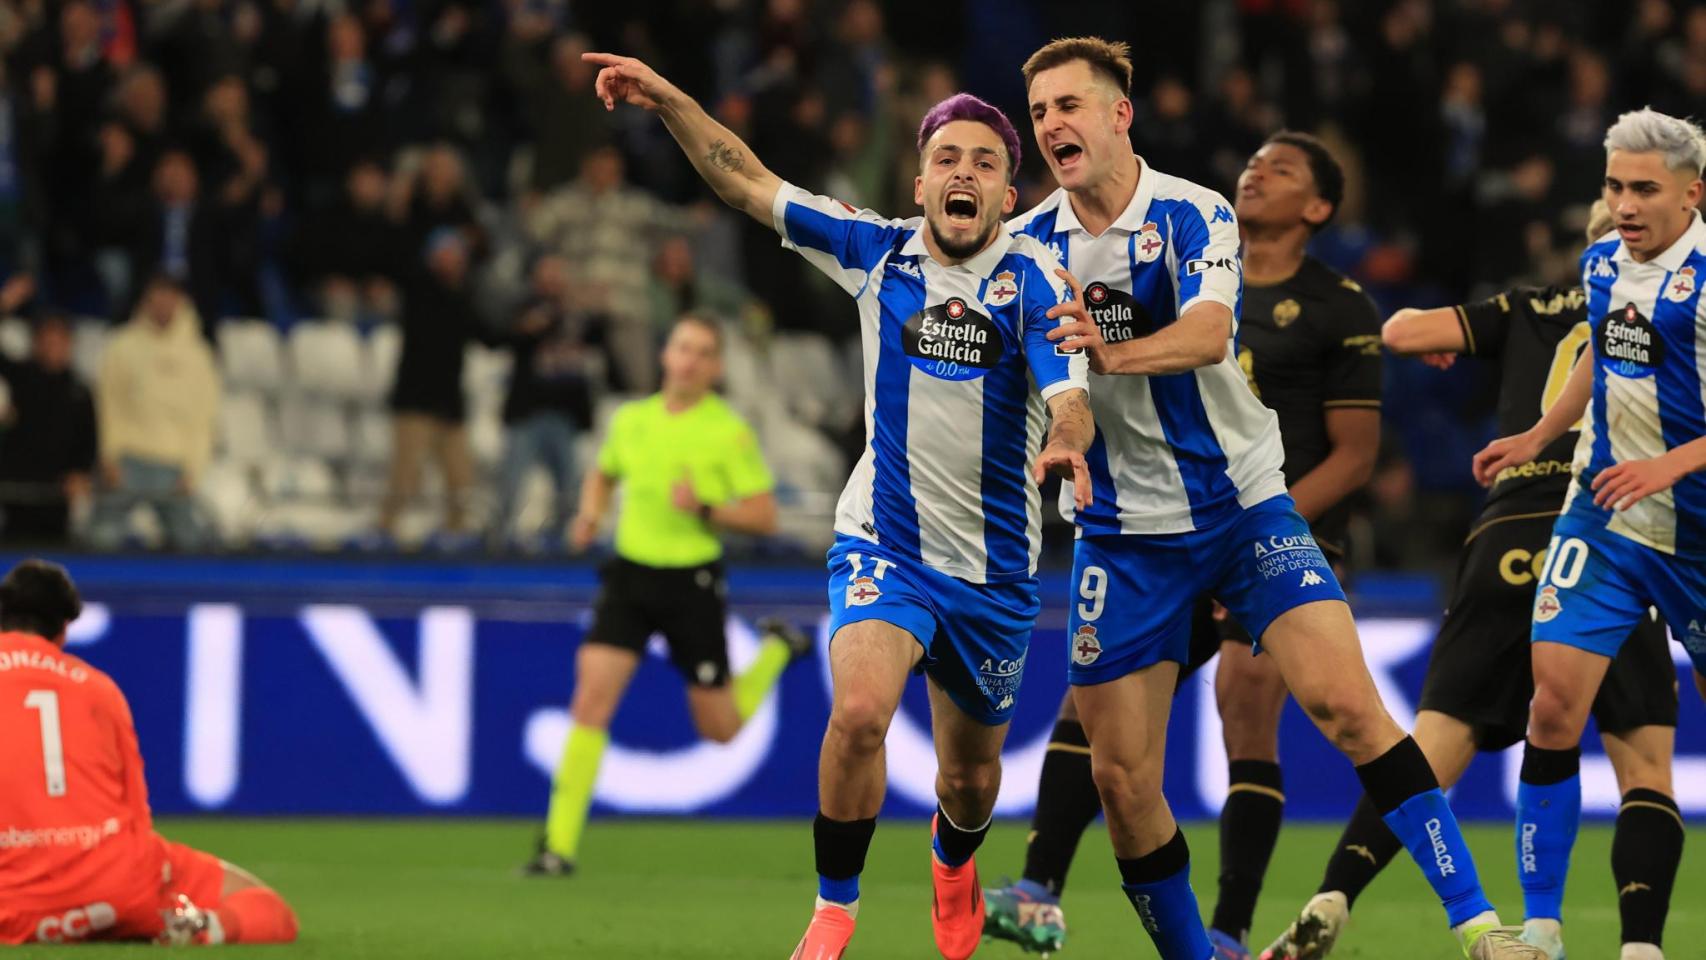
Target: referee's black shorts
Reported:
[(688, 605), (1480, 672)]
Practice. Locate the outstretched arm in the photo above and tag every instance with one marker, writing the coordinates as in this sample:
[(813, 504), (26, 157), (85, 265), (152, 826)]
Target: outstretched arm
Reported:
[(1555, 422), (726, 163), (1435, 335)]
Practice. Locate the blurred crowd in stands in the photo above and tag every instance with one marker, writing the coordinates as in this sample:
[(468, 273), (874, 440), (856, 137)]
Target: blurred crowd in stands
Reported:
[(270, 259)]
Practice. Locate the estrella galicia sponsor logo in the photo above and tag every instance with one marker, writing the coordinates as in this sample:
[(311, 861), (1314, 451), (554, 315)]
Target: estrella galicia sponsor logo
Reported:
[(1442, 854), (1117, 314), (951, 341), (1629, 343), (1529, 864)]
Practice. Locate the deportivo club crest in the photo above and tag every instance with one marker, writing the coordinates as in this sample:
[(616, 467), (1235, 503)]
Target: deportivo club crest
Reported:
[(1680, 286), (863, 591), (1147, 245), (1547, 605), (1085, 647), (1003, 287), (1285, 312)]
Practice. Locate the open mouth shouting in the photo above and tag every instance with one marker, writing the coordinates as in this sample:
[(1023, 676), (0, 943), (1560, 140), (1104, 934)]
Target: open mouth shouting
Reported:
[(960, 207), (1066, 155), (1630, 232)]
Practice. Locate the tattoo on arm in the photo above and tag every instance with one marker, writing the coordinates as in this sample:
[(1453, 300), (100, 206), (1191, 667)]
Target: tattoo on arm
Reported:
[(724, 157), (1072, 423)]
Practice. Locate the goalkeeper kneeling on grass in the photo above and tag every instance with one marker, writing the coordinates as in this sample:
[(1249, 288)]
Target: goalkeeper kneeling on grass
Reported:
[(79, 860)]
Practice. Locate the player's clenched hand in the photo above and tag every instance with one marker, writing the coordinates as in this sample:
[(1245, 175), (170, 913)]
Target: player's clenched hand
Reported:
[(1076, 331), (1623, 485), (582, 531), (626, 80), (682, 495), (1067, 464), (1502, 453)]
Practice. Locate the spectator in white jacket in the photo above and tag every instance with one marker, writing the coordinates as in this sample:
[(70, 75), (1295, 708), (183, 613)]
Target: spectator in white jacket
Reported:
[(156, 402)]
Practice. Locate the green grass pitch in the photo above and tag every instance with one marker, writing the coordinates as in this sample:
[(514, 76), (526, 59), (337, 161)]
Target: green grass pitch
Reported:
[(659, 889)]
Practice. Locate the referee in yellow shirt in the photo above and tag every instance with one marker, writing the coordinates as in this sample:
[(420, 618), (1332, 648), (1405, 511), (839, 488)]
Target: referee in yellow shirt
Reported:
[(689, 467)]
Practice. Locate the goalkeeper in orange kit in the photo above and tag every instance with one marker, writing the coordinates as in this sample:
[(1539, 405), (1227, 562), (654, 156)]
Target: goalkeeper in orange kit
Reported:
[(79, 858)]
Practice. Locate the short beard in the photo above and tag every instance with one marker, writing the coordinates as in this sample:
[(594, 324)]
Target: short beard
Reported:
[(962, 251)]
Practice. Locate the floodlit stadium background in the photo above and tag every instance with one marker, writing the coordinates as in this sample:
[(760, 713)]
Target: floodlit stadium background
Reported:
[(299, 659)]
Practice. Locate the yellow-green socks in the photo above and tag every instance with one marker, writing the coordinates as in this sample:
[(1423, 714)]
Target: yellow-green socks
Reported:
[(571, 791), (760, 676)]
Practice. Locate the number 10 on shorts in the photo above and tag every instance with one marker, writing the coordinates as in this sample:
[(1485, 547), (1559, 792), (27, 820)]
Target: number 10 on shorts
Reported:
[(1564, 562), (1565, 559)]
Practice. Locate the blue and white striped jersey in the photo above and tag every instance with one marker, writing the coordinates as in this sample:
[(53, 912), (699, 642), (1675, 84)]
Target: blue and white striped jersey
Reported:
[(1183, 451), (957, 370), (1649, 385)]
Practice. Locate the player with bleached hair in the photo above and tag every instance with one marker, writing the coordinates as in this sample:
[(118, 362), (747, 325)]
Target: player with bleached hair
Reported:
[(1633, 531), (1479, 682), (937, 532)]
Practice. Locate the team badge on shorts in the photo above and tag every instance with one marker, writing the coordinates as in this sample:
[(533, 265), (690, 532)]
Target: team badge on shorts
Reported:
[(1547, 606), (1085, 647), (862, 592), (1002, 289)]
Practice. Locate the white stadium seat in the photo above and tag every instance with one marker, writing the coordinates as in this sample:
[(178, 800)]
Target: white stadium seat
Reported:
[(810, 378), (298, 478), (247, 432), (315, 427), (251, 355), (370, 436), (326, 360), (801, 457), (379, 360), (228, 493), (485, 377), (746, 375), (15, 338), (87, 344)]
